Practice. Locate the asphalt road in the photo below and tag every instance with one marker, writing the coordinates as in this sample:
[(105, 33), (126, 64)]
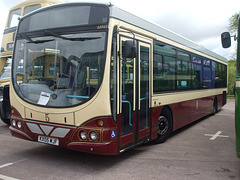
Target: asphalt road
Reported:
[(203, 150)]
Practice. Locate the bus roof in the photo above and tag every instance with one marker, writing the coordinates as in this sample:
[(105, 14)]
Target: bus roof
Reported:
[(33, 2), (125, 16), (120, 14)]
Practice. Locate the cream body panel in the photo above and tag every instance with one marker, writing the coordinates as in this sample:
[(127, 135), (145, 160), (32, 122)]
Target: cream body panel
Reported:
[(171, 98), (61, 118)]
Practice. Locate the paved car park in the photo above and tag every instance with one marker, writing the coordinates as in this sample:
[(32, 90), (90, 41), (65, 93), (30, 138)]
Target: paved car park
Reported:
[(202, 150)]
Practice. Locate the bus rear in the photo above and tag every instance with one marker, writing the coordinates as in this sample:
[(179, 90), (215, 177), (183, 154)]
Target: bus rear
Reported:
[(59, 88)]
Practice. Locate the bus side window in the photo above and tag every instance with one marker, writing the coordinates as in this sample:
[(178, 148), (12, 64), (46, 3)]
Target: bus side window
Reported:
[(13, 18), (219, 75), (183, 71), (164, 67), (31, 8), (207, 77), (197, 73), (157, 71)]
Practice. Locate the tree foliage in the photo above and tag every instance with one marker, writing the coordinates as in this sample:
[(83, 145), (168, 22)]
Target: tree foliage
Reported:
[(233, 23), (231, 76), (233, 28)]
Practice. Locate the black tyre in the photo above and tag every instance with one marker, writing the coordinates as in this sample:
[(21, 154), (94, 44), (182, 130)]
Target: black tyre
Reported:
[(6, 121), (165, 126), (215, 107), (5, 107)]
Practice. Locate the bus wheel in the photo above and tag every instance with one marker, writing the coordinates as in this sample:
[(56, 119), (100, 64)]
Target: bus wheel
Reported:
[(215, 107), (165, 126), (6, 121)]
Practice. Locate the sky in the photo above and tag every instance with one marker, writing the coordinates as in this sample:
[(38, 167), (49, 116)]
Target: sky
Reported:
[(201, 21)]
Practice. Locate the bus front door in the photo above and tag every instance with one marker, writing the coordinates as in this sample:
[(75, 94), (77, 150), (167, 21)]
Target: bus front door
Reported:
[(134, 95)]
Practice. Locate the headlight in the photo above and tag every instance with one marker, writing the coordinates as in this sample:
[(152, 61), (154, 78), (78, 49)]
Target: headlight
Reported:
[(14, 122), (93, 136), (19, 124), (83, 135)]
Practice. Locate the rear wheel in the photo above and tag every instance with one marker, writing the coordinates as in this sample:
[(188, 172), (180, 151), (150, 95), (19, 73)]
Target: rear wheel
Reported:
[(215, 106), (165, 126)]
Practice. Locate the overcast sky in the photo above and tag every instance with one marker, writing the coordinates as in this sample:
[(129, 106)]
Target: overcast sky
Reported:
[(201, 21)]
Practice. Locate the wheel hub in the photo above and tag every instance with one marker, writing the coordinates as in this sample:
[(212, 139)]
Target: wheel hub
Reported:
[(163, 125)]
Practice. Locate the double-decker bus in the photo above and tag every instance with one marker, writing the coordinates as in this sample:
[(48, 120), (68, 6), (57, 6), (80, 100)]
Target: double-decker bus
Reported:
[(15, 13), (97, 79), (226, 42)]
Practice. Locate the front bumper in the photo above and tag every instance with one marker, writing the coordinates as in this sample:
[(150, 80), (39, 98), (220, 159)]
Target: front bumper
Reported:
[(67, 136)]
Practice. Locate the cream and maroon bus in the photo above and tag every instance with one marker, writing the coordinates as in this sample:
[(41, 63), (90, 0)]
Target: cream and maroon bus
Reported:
[(15, 13), (97, 79)]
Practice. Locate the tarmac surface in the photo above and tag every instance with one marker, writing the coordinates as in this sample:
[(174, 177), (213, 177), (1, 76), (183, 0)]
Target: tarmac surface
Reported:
[(202, 150)]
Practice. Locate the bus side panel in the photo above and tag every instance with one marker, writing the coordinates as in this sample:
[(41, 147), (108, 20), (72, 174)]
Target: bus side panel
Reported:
[(220, 99), (189, 111), (7, 39), (237, 120), (184, 113)]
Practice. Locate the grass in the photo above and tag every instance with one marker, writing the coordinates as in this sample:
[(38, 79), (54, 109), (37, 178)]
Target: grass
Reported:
[(230, 97)]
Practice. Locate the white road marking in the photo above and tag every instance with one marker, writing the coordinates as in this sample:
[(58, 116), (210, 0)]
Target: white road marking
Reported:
[(6, 165), (225, 115), (7, 177), (214, 136)]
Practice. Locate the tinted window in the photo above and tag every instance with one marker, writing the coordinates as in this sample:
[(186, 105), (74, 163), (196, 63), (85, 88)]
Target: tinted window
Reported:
[(183, 56), (65, 16), (164, 68), (207, 80), (183, 75), (197, 60), (197, 73), (219, 75), (31, 8), (174, 70), (206, 62)]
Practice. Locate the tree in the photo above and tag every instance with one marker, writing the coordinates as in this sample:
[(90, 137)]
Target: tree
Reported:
[(231, 76), (233, 28), (233, 23)]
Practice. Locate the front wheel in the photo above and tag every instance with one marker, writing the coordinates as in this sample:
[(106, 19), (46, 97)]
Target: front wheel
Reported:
[(165, 126), (6, 121)]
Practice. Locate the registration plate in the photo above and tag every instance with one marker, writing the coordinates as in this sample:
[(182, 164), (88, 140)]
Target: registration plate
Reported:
[(48, 140)]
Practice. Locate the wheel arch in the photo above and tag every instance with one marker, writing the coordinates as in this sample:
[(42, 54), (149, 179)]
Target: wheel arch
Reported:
[(167, 107)]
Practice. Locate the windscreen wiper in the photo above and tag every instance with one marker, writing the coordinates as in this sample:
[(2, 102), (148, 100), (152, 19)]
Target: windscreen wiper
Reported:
[(41, 41), (26, 37), (35, 42), (70, 39)]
